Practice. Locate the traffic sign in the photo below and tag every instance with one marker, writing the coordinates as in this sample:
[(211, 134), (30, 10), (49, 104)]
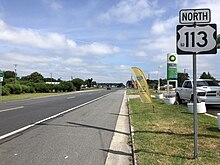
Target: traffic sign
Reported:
[(199, 39), (190, 16)]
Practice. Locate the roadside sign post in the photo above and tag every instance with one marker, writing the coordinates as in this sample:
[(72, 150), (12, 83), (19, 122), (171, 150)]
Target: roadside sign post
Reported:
[(195, 38), (1, 80)]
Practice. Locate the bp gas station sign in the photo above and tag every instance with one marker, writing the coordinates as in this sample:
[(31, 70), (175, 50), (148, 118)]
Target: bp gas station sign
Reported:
[(1, 76), (171, 66)]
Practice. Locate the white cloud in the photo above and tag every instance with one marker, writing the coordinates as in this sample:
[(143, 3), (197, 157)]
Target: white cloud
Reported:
[(53, 4), (164, 27), (52, 41), (131, 11)]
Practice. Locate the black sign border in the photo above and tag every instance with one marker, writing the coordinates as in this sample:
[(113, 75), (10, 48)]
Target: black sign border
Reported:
[(212, 51)]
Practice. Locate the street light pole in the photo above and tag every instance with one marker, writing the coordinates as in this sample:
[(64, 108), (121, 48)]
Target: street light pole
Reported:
[(158, 88)]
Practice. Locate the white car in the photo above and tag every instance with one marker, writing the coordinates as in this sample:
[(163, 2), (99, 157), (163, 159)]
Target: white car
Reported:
[(207, 91)]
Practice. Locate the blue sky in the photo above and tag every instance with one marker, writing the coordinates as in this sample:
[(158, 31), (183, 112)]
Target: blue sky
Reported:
[(99, 39)]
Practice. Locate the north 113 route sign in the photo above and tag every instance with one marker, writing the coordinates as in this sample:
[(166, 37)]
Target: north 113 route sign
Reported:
[(199, 39)]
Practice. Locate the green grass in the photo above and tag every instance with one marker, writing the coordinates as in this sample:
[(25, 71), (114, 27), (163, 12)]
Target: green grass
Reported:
[(132, 91), (25, 96), (166, 135)]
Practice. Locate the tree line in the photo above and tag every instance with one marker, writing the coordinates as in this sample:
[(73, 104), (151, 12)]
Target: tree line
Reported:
[(36, 83)]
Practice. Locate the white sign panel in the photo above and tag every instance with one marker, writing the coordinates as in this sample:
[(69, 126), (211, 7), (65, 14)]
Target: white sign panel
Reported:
[(199, 39), (190, 16), (1, 79)]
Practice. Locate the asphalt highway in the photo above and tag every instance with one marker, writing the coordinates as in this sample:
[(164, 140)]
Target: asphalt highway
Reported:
[(81, 136), (17, 114)]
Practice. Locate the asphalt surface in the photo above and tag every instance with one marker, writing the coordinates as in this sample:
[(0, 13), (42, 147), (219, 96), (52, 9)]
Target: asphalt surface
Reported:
[(15, 115), (82, 136), (213, 109)]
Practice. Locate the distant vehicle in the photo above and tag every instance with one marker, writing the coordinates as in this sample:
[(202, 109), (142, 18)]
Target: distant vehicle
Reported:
[(207, 91), (108, 88)]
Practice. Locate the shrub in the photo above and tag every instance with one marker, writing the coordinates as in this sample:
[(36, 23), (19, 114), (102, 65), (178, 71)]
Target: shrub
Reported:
[(14, 88), (5, 91), (67, 86), (41, 88), (25, 89)]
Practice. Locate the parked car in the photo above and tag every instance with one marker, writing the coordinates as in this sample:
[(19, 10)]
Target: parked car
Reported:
[(207, 91)]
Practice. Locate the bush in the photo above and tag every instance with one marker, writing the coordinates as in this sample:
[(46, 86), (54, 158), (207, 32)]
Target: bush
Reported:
[(41, 87), (5, 91), (14, 88), (67, 86), (25, 89)]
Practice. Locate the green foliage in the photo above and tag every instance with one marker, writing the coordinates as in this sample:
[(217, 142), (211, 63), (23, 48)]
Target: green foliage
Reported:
[(9, 80), (42, 87), (5, 91), (9, 74), (205, 75), (88, 82), (27, 89), (77, 82), (67, 86), (34, 77), (181, 78), (14, 88)]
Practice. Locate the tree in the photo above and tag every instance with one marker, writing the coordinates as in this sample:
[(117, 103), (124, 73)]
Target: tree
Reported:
[(205, 75), (77, 82), (181, 78), (88, 82), (9, 74), (34, 77)]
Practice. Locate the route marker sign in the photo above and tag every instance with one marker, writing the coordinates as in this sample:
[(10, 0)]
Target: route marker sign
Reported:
[(190, 16), (195, 38), (199, 39)]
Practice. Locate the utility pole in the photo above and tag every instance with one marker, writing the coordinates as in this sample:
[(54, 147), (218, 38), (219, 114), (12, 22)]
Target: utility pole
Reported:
[(15, 67)]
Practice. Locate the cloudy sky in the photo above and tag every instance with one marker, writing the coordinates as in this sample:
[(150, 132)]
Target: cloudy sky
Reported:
[(99, 39)]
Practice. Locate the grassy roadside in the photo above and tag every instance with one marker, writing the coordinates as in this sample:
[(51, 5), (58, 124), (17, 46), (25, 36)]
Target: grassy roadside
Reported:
[(24, 96), (166, 136)]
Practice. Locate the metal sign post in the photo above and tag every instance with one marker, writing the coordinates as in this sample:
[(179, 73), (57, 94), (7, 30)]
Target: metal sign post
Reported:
[(1, 80), (195, 38), (195, 117)]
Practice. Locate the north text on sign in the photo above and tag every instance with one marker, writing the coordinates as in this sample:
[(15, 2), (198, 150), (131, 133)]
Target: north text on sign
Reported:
[(195, 16)]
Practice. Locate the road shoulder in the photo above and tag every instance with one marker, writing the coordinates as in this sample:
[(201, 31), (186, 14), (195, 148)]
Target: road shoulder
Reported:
[(119, 151)]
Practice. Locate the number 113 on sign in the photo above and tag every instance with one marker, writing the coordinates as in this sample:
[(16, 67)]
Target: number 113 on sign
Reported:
[(199, 39)]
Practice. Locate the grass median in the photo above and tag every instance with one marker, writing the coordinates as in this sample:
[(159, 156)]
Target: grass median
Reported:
[(166, 135), (24, 96)]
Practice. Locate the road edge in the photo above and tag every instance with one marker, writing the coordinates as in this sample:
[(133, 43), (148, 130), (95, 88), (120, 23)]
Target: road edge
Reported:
[(120, 152)]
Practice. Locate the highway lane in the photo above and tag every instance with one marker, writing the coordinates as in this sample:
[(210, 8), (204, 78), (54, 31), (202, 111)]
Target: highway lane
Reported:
[(17, 114), (82, 136)]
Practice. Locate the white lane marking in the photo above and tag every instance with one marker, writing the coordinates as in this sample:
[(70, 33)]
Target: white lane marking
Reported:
[(10, 109), (211, 115), (72, 97), (51, 117)]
